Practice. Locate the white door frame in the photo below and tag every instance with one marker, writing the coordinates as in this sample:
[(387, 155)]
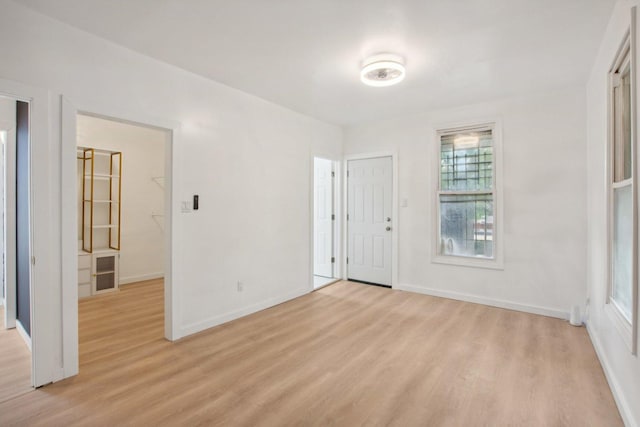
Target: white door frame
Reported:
[(337, 225), (395, 221), (70, 110), (41, 219)]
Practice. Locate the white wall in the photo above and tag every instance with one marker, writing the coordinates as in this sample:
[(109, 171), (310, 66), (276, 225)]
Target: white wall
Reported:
[(7, 113), (622, 368), (544, 202), (249, 160), (142, 235)]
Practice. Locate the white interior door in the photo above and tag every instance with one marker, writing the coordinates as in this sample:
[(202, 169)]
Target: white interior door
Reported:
[(369, 206), (323, 217), (3, 139), (8, 125)]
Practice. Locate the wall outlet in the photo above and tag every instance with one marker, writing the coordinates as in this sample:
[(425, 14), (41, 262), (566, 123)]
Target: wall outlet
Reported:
[(240, 286)]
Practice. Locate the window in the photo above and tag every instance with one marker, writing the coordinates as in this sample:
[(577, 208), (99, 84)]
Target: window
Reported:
[(466, 195), (621, 200)]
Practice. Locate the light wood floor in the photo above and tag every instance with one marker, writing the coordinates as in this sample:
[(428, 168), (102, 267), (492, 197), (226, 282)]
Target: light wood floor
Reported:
[(15, 363), (346, 355)]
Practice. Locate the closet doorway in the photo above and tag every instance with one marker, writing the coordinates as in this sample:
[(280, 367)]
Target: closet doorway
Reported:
[(122, 201)]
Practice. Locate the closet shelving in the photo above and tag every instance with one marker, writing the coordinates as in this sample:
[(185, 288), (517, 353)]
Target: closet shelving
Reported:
[(101, 201), (101, 197)]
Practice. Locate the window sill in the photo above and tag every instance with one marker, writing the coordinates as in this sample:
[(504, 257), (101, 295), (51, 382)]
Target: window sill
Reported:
[(491, 264), (621, 324)]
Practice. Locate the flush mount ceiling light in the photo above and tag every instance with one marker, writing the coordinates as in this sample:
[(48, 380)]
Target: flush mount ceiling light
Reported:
[(382, 70)]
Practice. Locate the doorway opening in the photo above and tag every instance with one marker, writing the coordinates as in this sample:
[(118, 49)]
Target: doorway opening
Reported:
[(122, 202), (15, 240), (324, 222)]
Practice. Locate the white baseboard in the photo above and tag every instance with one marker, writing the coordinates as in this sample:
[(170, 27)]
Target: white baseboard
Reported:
[(236, 314), (25, 336), (544, 311), (614, 385), (141, 278), (326, 284)]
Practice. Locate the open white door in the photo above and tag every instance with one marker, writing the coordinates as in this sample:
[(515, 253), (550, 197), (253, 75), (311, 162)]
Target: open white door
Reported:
[(3, 140), (323, 217), (369, 207), (8, 127), (40, 252)]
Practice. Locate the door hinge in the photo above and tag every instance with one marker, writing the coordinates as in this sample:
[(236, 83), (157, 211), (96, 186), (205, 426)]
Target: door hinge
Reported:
[(347, 260), (347, 174), (333, 259), (347, 217), (333, 217), (333, 174), (33, 260)]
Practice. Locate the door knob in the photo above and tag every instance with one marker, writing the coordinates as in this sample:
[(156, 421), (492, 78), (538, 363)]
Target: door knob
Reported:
[(388, 219), (388, 228)]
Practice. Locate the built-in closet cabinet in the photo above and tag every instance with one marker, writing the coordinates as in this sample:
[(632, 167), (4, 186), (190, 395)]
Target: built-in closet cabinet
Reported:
[(100, 202)]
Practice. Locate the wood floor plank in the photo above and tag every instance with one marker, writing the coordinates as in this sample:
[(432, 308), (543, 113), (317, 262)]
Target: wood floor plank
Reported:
[(348, 354), (15, 363)]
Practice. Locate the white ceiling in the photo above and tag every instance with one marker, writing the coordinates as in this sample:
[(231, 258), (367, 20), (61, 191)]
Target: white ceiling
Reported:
[(306, 54)]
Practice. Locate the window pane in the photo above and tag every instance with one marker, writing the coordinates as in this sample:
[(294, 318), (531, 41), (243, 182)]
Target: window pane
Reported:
[(466, 225), (466, 161), (622, 127), (626, 123), (622, 249)]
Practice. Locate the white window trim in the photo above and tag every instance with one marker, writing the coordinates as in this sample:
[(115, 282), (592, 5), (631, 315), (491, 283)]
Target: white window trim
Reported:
[(628, 330), (497, 262)]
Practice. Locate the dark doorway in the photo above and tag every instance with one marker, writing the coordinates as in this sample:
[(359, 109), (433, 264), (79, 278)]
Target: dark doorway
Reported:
[(23, 298)]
